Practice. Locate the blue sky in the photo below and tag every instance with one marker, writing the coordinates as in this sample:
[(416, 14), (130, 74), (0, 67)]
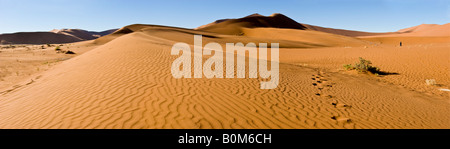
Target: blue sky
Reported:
[(98, 15)]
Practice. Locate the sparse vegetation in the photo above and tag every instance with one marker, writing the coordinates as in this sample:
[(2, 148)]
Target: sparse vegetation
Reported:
[(11, 46), (348, 67), (364, 66), (57, 48)]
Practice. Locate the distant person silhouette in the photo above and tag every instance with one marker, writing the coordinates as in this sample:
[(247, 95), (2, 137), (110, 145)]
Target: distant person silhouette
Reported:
[(400, 43)]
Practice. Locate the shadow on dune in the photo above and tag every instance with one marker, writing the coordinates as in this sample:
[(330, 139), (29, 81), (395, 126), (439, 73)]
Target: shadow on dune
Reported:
[(384, 73)]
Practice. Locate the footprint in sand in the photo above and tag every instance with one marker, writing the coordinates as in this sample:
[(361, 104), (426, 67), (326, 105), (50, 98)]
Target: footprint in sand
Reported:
[(338, 105), (341, 119), (321, 83)]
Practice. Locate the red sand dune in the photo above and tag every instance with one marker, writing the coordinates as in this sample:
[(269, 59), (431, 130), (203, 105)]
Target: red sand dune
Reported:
[(232, 26), (424, 30)]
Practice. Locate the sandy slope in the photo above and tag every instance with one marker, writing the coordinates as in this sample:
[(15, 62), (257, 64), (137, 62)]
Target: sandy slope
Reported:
[(307, 36), (428, 30), (424, 30), (127, 83)]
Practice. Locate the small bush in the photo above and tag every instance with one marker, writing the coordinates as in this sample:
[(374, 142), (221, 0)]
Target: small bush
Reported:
[(348, 67), (363, 66), (57, 48)]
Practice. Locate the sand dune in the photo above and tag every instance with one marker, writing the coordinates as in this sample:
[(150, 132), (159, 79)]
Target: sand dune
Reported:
[(233, 26), (286, 37), (127, 83), (343, 32), (408, 40), (80, 34), (313, 37), (52, 37), (122, 31), (429, 30), (236, 26), (280, 28), (83, 34), (424, 30), (276, 20), (36, 38)]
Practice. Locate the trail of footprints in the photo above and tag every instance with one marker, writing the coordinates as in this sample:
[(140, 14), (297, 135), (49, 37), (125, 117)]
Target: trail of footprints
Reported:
[(322, 83)]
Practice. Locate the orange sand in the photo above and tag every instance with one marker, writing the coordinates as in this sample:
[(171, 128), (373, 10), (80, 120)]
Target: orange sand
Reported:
[(126, 82)]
